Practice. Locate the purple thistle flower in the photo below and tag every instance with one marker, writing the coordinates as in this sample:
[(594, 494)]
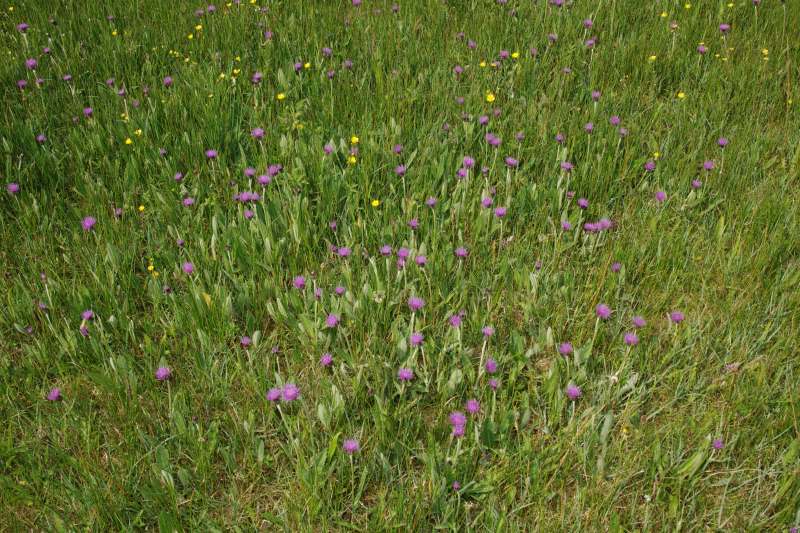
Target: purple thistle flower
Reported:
[(12, 188), (430, 201), (413, 223), (660, 196), (708, 165), (405, 374), (328, 148), (415, 303), (468, 161), (88, 223), (211, 154), (696, 184), (487, 331), (167, 81), (245, 341), (565, 348), (163, 373), (326, 360), (583, 203), (589, 127), (403, 253), (386, 250), (187, 267), (472, 406), (188, 201), (299, 282), (639, 322), (573, 392), (417, 338), (616, 267), (31, 63), (461, 252), (494, 384), (701, 49), (631, 339), (420, 260), (500, 212), (486, 202), (724, 28), (339, 290), (566, 166), (54, 395), (717, 444), (41, 138), (491, 366), (722, 142), (511, 162), (351, 446), (290, 392), (596, 96), (458, 431), (614, 120), (676, 317), (343, 251), (565, 225), (455, 320), (22, 27), (457, 418), (274, 394), (603, 311), (257, 133), (650, 165), (332, 320)]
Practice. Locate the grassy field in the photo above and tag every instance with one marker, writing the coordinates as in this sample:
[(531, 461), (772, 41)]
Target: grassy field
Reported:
[(474, 265)]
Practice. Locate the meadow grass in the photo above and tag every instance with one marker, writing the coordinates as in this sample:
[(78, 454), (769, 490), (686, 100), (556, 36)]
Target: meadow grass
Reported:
[(213, 288)]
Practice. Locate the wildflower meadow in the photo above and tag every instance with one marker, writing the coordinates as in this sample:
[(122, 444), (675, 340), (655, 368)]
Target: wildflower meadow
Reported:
[(332, 265)]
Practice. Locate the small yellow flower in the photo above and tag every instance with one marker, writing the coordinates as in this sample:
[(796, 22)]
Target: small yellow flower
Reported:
[(222, 76), (128, 141), (141, 208), (237, 58), (765, 51), (681, 95), (11, 8), (306, 65), (190, 36), (652, 58), (351, 160), (114, 33), (482, 64), (236, 71), (656, 155), (687, 5), (138, 133), (490, 96), (155, 274), (211, 95), (150, 268), (375, 203), (198, 27), (664, 14), (354, 139), (514, 55), (281, 96), (730, 4)]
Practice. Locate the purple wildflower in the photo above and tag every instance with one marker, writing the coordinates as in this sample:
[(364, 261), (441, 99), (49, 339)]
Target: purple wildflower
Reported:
[(603, 311), (163, 373)]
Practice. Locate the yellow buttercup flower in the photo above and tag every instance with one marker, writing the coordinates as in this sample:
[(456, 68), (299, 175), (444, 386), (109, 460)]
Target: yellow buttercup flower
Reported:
[(306, 65), (515, 55), (656, 155), (687, 6), (138, 133), (141, 208), (375, 203), (652, 58), (198, 27), (681, 95), (482, 64), (150, 268), (237, 58), (351, 160), (490, 96), (664, 14), (190, 36), (114, 33), (281, 96), (354, 139), (128, 141)]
